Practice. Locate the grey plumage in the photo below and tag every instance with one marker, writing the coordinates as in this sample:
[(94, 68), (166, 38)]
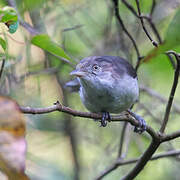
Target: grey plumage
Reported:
[(107, 83)]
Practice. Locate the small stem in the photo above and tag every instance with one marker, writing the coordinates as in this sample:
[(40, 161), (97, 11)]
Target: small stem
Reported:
[(153, 7), (148, 18), (2, 67), (173, 89), (123, 133), (143, 26), (116, 8)]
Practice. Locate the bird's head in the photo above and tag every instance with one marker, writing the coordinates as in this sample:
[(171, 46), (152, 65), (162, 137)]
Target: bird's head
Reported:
[(102, 70), (93, 69)]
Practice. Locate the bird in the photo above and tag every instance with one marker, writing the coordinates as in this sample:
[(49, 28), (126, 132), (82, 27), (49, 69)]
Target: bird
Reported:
[(108, 84)]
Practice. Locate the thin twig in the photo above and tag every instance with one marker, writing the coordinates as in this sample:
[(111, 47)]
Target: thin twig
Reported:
[(153, 7), (170, 136), (107, 171), (171, 153), (153, 27), (148, 18), (63, 59), (61, 108), (73, 28), (173, 89), (121, 162), (123, 134), (130, 8), (2, 67), (143, 26), (116, 8), (121, 117), (171, 59)]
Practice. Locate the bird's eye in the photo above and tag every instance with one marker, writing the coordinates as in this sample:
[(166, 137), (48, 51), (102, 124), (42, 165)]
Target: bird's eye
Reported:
[(95, 67)]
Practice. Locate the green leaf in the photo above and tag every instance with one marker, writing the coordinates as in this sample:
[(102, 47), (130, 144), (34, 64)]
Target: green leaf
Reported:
[(3, 43), (44, 41), (172, 38), (8, 15)]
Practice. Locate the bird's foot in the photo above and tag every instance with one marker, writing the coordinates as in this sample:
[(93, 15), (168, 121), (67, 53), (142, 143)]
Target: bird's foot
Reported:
[(142, 123), (105, 117)]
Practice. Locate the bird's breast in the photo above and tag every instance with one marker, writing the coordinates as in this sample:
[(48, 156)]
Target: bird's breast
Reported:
[(110, 97)]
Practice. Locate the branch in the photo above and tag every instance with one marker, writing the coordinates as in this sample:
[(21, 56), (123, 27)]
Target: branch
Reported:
[(153, 26), (130, 8), (107, 171), (142, 160), (148, 18), (171, 153), (2, 67), (121, 162), (153, 7), (171, 96), (58, 107), (123, 133), (143, 26), (171, 136), (171, 59), (116, 8)]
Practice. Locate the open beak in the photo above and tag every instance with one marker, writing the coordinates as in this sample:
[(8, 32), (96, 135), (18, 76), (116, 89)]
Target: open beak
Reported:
[(78, 73)]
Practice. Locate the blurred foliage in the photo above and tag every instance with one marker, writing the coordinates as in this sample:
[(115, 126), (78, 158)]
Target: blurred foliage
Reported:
[(9, 18), (3, 43), (12, 140), (43, 41), (65, 147)]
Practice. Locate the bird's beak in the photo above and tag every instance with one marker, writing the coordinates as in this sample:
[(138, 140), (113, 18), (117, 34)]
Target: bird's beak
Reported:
[(78, 73)]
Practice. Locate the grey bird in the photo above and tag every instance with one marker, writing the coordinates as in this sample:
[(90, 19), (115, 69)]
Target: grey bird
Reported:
[(108, 84)]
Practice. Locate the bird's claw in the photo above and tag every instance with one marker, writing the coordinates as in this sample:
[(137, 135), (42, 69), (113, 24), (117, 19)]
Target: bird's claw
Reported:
[(57, 102), (142, 123), (105, 117)]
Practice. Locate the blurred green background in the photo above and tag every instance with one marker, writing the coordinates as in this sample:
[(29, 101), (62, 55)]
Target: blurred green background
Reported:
[(61, 147)]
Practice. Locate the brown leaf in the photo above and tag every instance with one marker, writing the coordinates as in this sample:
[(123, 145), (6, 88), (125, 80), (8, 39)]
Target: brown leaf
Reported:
[(11, 119), (12, 141)]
